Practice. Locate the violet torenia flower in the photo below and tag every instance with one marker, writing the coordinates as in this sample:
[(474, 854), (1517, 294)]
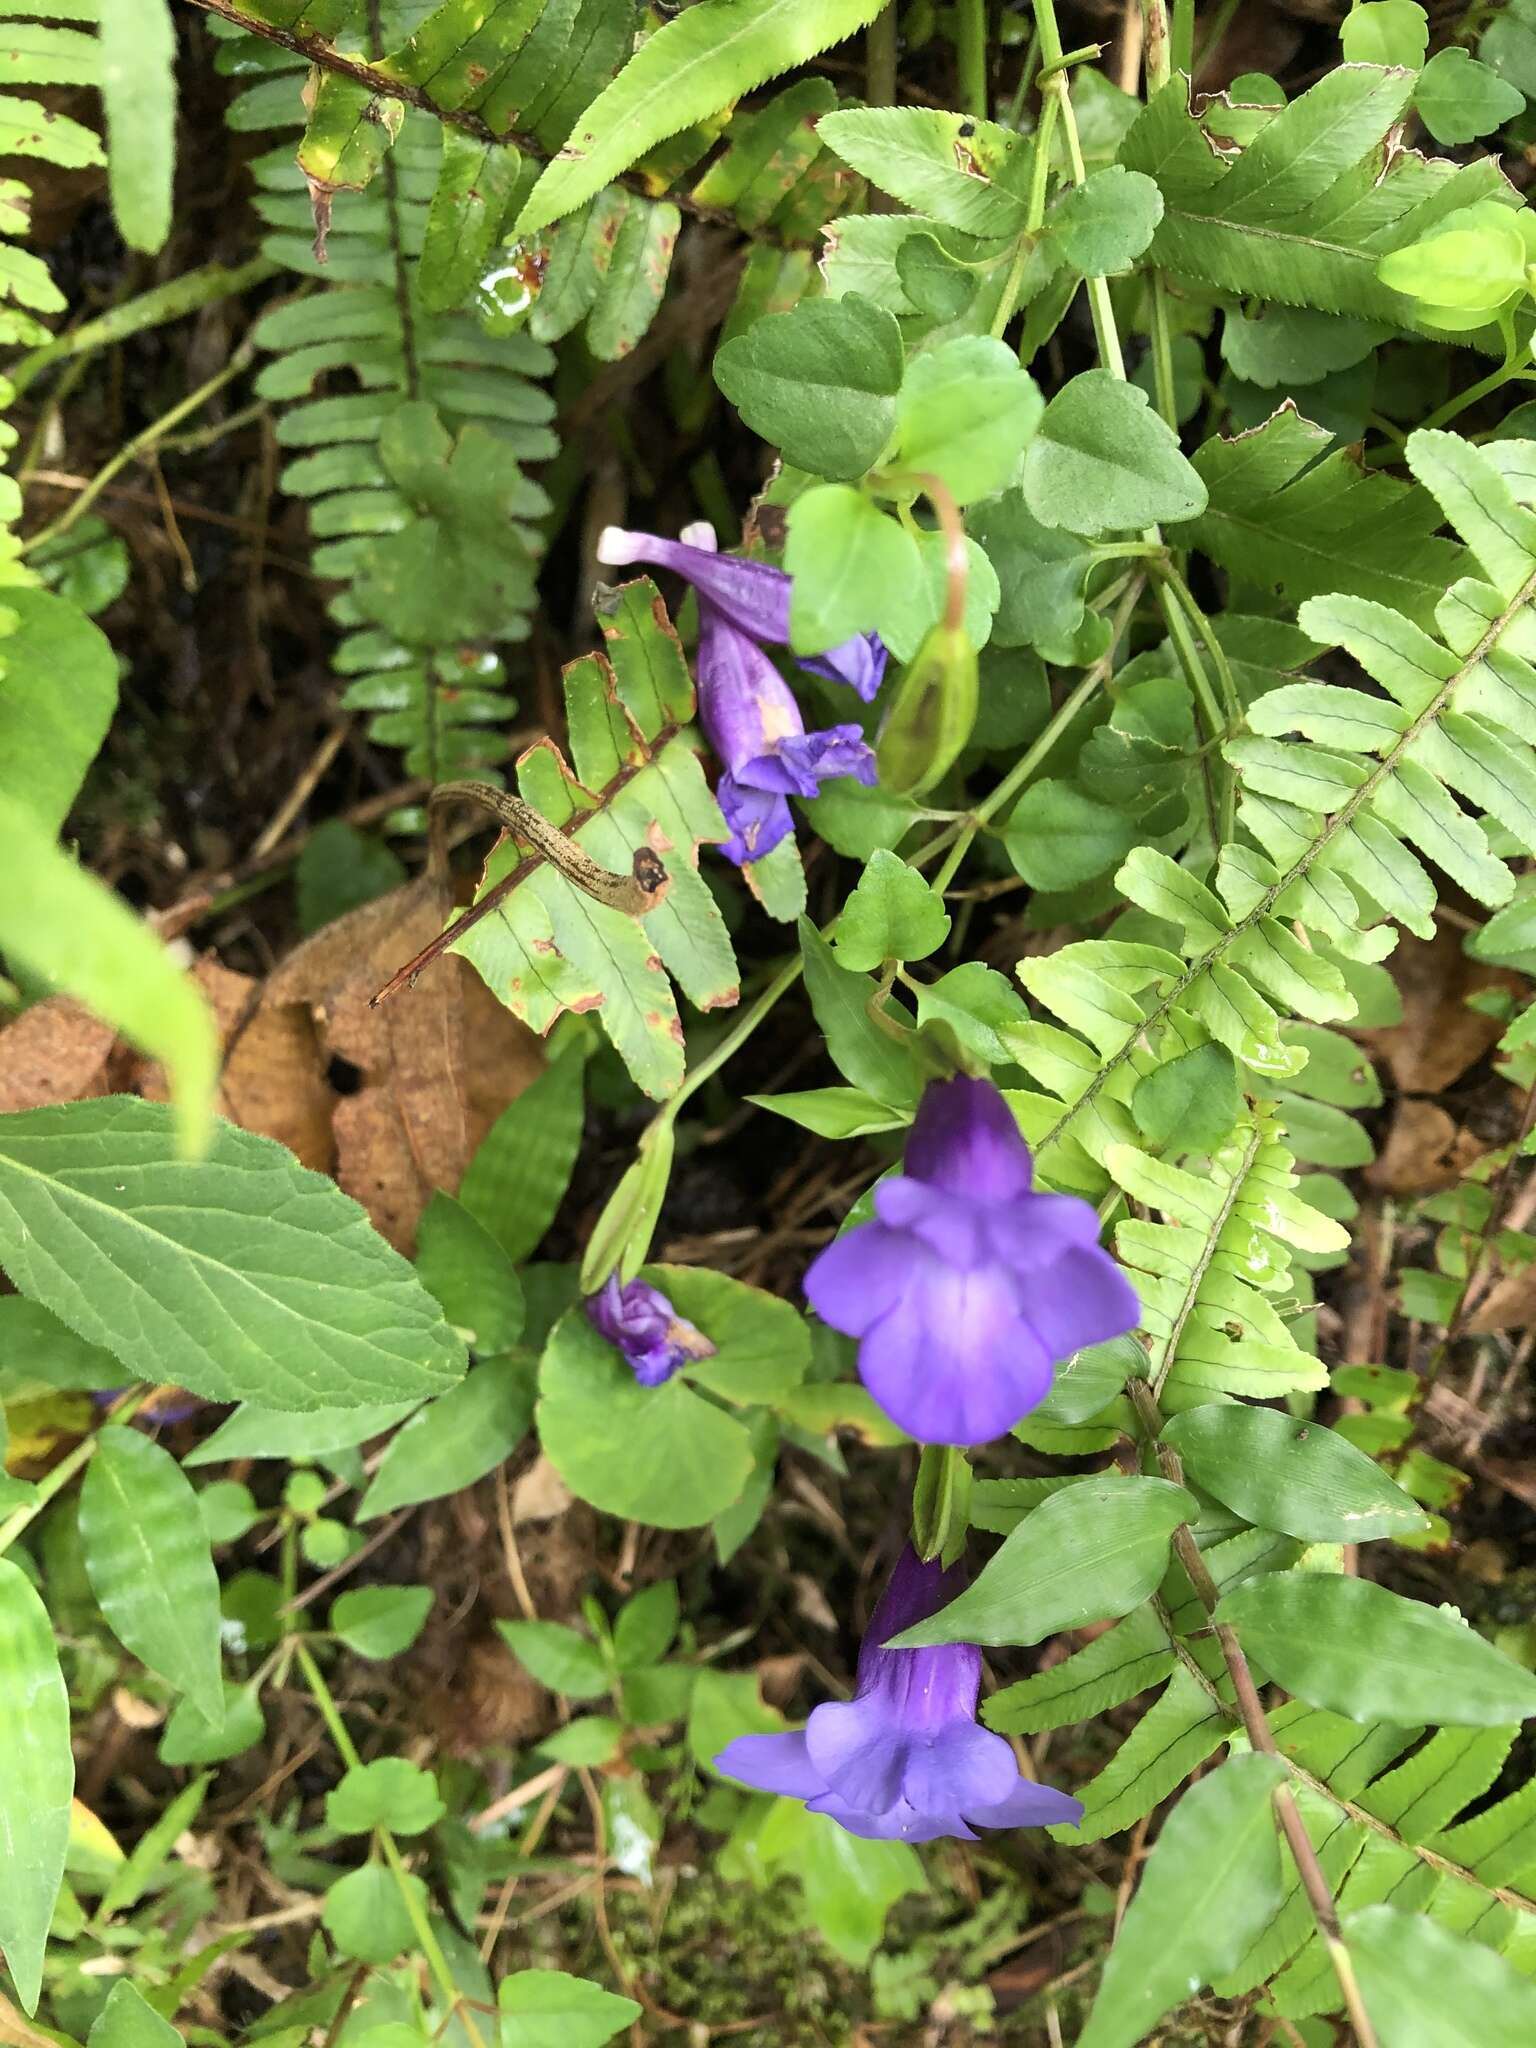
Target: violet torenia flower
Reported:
[(904, 1760), (654, 1339), (752, 596), (968, 1286)]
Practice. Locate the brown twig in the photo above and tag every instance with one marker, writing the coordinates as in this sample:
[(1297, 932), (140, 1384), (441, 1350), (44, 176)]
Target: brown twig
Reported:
[(1256, 1723)]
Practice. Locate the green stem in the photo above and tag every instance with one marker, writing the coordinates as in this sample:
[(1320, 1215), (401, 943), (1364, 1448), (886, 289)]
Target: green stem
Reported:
[(1035, 755), (155, 432), (54, 1482), (880, 58), (732, 1042), (1222, 807), (431, 1948), (171, 301), (1227, 682), (1181, 52), (1162, 354), (971, 55), (1507, 372)]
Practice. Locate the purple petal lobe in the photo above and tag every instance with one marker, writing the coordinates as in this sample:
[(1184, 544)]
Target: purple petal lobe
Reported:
[(959, 1770), (1030, 1805), (858, 1277), (859, 662), (859, 1754), (644, 1326), (772, 1763), (758, 820), (955, 1363), (1083, 1298)]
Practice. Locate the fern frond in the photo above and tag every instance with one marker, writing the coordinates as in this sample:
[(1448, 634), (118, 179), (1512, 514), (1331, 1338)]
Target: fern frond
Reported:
[(1303, 215), (1334, 839)]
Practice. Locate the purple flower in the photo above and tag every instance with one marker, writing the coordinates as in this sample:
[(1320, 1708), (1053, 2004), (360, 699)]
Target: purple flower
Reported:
[(904, 1760), (654, 1339), (750, 715), (969, 1286), (753, 597)]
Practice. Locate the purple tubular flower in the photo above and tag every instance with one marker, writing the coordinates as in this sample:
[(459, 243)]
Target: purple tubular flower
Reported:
[(968, 1286), (753, 597), (752, 720), (904, 1760), (654, 1339)]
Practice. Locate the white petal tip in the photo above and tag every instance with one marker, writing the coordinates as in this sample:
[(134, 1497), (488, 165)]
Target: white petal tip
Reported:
[(699, 534), (616, 549)]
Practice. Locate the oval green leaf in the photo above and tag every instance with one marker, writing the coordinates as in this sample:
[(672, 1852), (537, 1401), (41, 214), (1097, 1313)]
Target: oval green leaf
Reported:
[(149, 1564), (1359, 1650), (663, 1455), (1425, 1987), (1089, 1553), (1282, 1473), (456, 1439)]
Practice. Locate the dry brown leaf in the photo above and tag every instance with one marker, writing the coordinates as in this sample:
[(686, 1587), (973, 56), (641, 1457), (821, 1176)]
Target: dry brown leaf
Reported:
[(436, 1064), (1425, 1149), (1439, 1037), (1510, 1304), (273, 1081), (540, 1495), (55, 1052)]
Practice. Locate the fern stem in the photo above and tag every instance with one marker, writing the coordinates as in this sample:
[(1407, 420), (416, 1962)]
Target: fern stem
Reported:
[(1342, 818), (880, 58), (141, 443), (166, 302), (1158, 60), (1256, 1723), (1207, 1252)]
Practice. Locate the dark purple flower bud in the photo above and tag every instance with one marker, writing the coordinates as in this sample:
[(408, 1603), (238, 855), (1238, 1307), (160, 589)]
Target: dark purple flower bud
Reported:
[(751, 718), (646, 1328), (968, 1286), (753, 596), (904, 1760)]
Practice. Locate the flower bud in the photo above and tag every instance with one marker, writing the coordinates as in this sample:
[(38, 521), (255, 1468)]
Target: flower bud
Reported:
[(622, 1235), (932, 714)]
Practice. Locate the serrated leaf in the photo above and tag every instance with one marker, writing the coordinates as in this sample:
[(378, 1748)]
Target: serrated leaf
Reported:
[(1105, 223), (701, 61), (242, 1276), (389, 1793), (1458, 99), (1102, 460), (892, 914), (819, 382), (969, 174), (147, 1556)]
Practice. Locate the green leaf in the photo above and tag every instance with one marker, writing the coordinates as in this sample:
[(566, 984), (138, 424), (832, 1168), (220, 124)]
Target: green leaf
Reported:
[(1281, 1473), (1129, 1658), (762, 1346), (1176, 1734), (846, 557), (1458, 99), (1426, 1987), (466, 1271), (241, 1276), (189, 1739), (475, 186), (966, 412), (548, 2009), (1105, 223), (49, 736), (518, 1178), (850, 1884), (456, 1439), (1058, 837), (558, 1657), (1357, 1649), (389, 1793), (1385, 32), (366, 1916), (147, 1556), (892, 914), (1087, 1554), (646, 1626), (586, 1743), (138, 92), (1305, 527), (341, 868), (37, 1782), (1212, 1882), (253, 1432), (79, 938), (819, 382), (37, 1350), (868, 1056), (380, 1621), (833, 1112), (1191, 1104), (969, 174), (128, 2020), (1293, 346), (1103, 460), (693, 66), (663, 1455)]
